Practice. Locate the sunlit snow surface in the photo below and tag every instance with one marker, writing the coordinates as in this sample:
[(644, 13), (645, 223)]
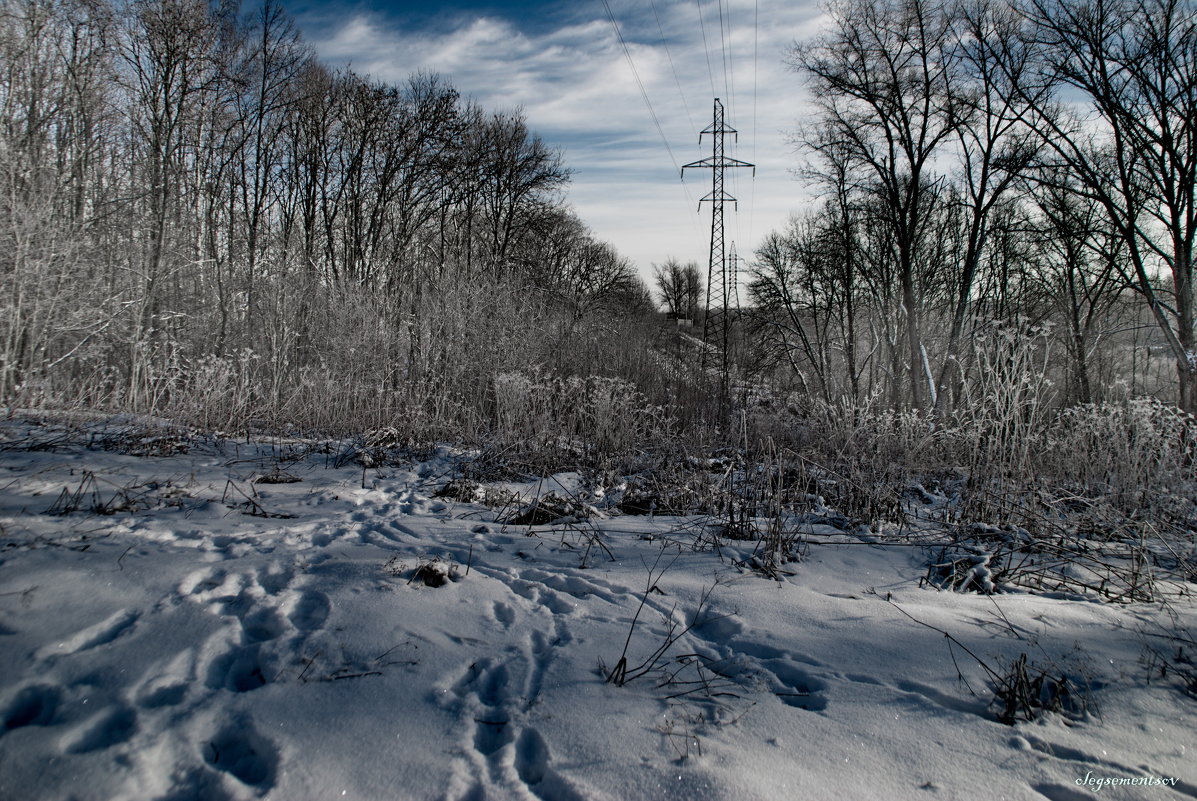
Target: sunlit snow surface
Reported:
[(177, 631)]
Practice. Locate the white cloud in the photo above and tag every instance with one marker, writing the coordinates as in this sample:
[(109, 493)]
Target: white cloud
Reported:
[(579, 93)]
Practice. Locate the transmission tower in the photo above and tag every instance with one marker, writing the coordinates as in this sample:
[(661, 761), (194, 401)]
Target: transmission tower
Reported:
[(733, 262), (721, 286)]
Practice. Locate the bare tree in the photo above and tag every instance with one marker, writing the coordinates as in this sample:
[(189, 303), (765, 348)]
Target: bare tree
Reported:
[(884, 83), (679, 287), (56, 123), (1078, 254), (1135, 62), (520, 172), (994, 145), (168, 48)]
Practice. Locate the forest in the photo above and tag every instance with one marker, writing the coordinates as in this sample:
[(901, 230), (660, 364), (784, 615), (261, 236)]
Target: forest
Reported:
[(203, 222)]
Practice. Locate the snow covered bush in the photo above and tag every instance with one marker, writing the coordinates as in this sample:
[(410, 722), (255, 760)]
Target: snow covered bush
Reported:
[(1006, 402), (549, 419), (1028, 692), (1136, 451)]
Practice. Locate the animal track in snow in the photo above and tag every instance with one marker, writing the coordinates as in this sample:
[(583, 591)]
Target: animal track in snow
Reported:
[(99, 634), (532, 765), (495, 697), (782, 670), (197, 784), (261, 625), (240, 751), (542, 596), (267, 611), (1070, 754), (239, 670), (34, 705), (797, 688), (111, 727), (531, 757), (163, 691), (274, 579), (503, 613), (309, 610), (942, 699), (579, 588)]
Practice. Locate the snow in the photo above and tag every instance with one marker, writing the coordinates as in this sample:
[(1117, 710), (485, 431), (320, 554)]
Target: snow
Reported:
[(351, 635)]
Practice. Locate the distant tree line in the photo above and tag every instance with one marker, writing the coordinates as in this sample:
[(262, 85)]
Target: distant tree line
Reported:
[(197, 217), (994, 176)]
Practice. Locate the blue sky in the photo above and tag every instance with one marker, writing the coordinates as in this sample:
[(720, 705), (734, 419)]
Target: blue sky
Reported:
[(563, 64)]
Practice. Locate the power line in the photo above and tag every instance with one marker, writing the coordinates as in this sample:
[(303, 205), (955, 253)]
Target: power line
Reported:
[(724, 39), (706, 47), (672, 68), (636, 74), (756, 28), (647, 102)]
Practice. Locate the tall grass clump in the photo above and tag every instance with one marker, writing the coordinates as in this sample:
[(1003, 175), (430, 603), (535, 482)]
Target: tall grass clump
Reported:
[(1011, 454), (550, 421), (1141, 454)]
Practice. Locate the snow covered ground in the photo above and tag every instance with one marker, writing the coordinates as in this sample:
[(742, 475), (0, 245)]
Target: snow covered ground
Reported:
[(173, 628)]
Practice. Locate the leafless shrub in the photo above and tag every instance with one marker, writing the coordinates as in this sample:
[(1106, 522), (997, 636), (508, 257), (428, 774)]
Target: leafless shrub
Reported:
[(665, 490), (1027, 692), (459, 489), (277, 475), (250, 503), (555, 421), (434, 571), (1177, 663), (90, 496), (1024, 691), (544, 509), (625, 672), (1124, 566)]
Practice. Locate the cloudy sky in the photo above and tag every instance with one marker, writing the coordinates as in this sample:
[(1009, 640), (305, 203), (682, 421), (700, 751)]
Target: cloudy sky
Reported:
[(564, 65)]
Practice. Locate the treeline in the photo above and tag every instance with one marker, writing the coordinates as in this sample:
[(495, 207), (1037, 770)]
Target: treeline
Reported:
[(197, 218), (1002, 183), (200, 220)]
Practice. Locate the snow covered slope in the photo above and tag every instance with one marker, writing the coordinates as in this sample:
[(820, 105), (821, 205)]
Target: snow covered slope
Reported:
[(177, 628)]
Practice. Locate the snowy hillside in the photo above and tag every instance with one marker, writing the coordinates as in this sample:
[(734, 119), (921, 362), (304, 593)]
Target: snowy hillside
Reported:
[(193, 619)]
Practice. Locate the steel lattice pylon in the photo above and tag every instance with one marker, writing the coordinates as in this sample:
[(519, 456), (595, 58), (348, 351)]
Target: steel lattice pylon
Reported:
[(721, 289)]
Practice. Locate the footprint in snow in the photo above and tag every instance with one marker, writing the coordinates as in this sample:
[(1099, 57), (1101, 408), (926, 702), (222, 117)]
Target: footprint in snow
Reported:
[(167, 684), (923, 692), (792, 683), (798, 688), (240, 751), (210, 584), (309, 611), (532, 759), (93, 636), (503, 613), (496, 712), (197, 784), (34, 705), (162, 694), (274, 579), (109, 728), (240, 670), (262, 625)]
